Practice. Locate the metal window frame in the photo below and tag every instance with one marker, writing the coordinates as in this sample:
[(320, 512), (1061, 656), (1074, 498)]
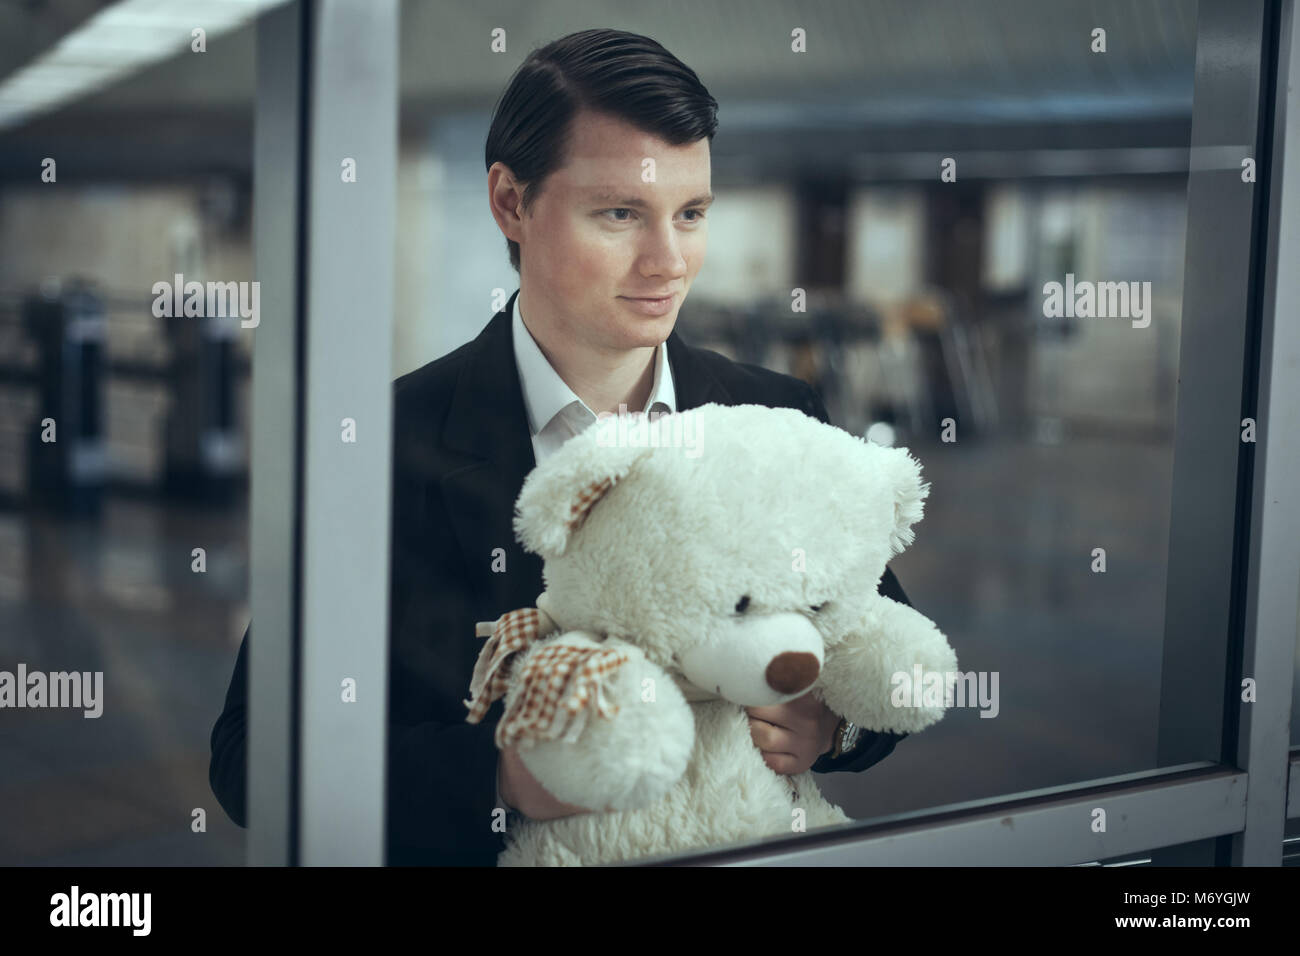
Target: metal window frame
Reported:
[(1051, 827), (1213, 569), (1273, 595), (308, 519)]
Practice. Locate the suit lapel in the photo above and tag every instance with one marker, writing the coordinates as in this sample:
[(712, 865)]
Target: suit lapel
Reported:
[(488, 425), (693, 383)]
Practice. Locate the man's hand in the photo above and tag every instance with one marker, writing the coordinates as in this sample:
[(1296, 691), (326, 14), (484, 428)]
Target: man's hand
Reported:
[(520, 789), (793, 735)]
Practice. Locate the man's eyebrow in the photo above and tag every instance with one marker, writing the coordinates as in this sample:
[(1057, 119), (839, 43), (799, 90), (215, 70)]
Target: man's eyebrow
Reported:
[(705, 199)]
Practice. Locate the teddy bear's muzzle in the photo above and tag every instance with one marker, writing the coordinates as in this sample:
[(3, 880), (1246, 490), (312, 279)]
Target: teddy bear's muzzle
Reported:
[(760, 661)]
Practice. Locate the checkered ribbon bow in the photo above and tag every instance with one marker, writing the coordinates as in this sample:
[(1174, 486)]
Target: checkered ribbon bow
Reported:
[(557, 690)]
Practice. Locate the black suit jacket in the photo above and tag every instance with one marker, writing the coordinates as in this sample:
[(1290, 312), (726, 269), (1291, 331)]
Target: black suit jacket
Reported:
[(461, 450)]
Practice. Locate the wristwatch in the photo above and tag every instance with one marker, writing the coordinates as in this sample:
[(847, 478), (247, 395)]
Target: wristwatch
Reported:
[(846, 737)]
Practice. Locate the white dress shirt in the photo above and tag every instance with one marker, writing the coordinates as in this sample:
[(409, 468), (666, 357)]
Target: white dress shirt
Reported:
[(556, 414)]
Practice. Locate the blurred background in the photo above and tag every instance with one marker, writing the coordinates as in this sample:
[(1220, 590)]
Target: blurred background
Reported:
[(925, 303)]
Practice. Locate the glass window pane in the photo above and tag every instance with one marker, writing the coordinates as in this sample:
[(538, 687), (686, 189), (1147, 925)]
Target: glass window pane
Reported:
[(964, 226)]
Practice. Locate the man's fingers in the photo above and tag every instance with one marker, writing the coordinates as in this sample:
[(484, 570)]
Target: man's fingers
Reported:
[(785, 734), (796, 714), (775, 716), (793, 722), (769, 737)]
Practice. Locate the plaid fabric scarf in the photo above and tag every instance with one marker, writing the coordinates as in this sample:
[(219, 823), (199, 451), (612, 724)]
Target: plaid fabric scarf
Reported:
[(559, 686)]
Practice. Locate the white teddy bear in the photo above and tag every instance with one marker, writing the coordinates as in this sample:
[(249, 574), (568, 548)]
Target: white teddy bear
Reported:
[(707, 561)]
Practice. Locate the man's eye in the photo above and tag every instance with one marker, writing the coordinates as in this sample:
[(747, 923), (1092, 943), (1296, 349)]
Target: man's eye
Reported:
[(699, 214)]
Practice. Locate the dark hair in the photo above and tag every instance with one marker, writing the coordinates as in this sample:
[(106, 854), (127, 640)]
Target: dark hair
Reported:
[(608, 71)]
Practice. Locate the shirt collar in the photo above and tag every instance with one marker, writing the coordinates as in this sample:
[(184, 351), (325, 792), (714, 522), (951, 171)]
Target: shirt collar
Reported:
[(546, 394)]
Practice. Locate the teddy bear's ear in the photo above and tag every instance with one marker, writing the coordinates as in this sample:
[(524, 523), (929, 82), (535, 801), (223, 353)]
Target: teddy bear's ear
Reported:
[(558, 496), (909, 495)]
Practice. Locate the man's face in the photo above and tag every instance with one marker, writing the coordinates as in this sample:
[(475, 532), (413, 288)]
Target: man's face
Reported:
[(599, 236)]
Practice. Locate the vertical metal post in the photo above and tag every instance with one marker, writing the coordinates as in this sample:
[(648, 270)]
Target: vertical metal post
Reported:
[(1204, 594), (1207, 443), (352, 190), (1273, 593), (280, 121), (325, 168)]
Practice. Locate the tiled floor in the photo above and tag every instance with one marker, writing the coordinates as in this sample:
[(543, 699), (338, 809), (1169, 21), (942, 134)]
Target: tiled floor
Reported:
[(1001, 563), (117, 595)]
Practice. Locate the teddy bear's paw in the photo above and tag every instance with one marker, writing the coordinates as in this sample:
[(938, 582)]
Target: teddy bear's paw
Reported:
[(895, 673), (628, 757)]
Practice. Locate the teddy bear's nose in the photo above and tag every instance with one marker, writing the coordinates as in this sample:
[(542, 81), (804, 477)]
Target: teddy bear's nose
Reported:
[(792, 671)]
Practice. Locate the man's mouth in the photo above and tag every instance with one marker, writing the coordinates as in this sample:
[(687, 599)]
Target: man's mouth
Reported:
[(651, 306)]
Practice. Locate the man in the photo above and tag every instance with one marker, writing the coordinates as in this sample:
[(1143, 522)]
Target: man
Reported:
[(606, 254)]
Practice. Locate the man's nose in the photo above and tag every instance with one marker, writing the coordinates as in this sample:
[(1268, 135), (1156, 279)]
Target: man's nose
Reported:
[(663, 257), (792, 671)]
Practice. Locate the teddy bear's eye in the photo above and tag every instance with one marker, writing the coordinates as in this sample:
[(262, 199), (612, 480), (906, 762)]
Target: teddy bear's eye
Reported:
[(742, 604), (815, 608)]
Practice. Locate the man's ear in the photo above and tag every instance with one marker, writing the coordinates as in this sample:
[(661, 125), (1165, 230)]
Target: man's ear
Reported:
[(559, 494)]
